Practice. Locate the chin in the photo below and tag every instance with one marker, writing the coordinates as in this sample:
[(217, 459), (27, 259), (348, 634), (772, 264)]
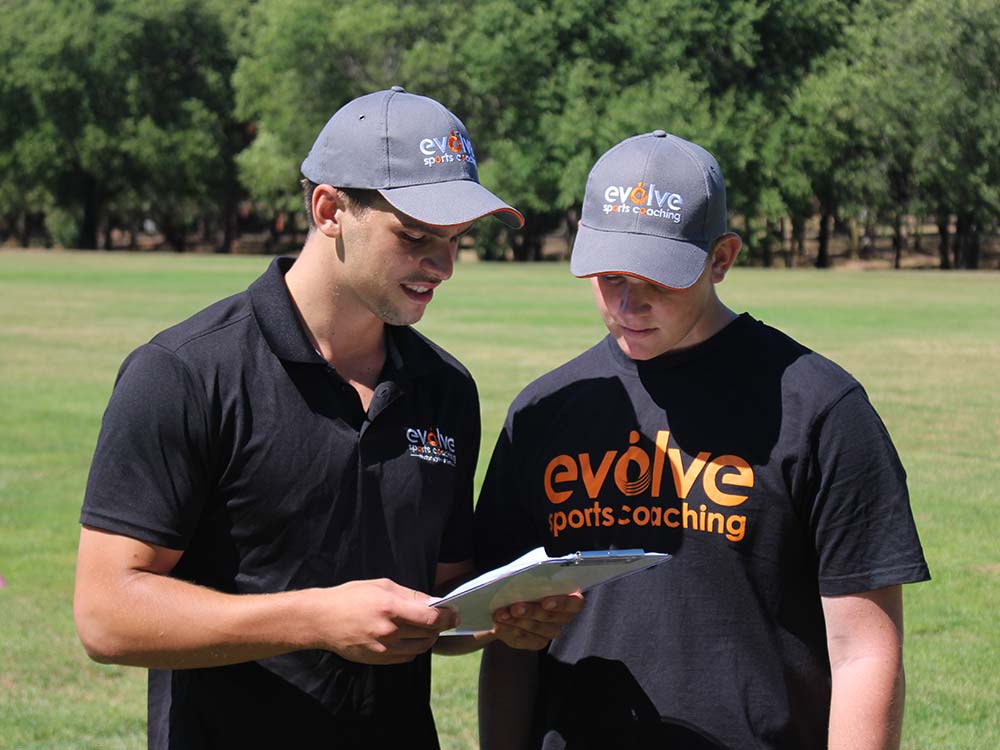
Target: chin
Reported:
[(401, 317), (641, 353), (397, 314)]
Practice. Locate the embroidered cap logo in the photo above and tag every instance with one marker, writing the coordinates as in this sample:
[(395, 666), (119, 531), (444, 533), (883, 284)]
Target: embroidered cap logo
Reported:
[(646, 201), (448, 148)]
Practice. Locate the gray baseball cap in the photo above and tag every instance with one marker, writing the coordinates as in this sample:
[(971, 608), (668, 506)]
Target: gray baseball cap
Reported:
[(410, 149), (652, 208)]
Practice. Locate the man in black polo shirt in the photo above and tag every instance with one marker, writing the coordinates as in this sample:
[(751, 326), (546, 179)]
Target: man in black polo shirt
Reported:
[(279, 478)]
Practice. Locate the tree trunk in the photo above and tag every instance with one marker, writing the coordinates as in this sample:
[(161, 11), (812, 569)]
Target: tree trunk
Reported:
[(825, 221), (898, 240), (530, 246), (958, 240), (572, 227), (966, 245), (870, 238), (174, 232), (943, 223), (748, 239), (854, 246), (798, 239), (91, 215), (767, 245), (228, 226), (24, 235)]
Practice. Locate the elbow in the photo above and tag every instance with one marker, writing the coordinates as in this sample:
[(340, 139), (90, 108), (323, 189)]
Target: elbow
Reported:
[(97, 636)]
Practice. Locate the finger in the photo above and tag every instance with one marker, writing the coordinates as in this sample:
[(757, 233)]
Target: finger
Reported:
[(520, 639), (544, 630), (412, 608), (549, 608), (571, 603), (410, 646), (404, 630), (518, 610)]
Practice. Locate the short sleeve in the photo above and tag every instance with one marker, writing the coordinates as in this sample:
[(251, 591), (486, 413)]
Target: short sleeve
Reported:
[(456, 544), (861, 519), (149, 478)]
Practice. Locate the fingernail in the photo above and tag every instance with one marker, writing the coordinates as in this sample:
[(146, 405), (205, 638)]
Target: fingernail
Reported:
[(548, 604)]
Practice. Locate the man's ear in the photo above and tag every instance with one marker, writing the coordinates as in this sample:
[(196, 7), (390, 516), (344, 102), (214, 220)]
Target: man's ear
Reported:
[(327, 209), (727, 247)]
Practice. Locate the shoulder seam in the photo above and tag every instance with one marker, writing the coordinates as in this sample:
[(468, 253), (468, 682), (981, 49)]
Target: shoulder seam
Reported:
[(202, 334)]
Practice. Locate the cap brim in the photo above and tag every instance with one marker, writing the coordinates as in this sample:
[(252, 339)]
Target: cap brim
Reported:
[(663, 261), (448, 203)]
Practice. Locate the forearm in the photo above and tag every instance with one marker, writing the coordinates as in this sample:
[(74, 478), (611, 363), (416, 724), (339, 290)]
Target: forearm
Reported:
[(866, 707), (508, 690), (129, 610), (151, 620)]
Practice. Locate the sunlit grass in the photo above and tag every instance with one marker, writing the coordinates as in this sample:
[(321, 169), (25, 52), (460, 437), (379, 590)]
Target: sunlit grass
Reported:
[(925, 344)]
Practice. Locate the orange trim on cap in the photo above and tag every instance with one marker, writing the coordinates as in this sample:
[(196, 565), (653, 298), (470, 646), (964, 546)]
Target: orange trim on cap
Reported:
[(629, 273), (520, 219)]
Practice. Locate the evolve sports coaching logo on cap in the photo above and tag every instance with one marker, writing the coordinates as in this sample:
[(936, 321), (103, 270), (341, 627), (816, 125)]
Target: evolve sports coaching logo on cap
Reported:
[(652, 208), (410, 149)]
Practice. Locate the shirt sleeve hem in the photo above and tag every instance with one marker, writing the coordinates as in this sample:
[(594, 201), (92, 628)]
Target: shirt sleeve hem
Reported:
[(859, 584), (125, 528)]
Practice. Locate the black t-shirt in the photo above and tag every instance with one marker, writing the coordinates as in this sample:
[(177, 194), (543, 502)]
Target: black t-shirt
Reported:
[(230, 438), (764, 470)]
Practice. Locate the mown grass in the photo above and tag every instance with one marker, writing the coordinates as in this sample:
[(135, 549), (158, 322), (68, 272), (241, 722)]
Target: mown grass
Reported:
[(925, 344)]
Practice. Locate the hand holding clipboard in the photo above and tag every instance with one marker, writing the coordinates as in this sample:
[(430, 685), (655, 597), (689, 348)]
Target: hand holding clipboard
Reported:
[(535, 576)]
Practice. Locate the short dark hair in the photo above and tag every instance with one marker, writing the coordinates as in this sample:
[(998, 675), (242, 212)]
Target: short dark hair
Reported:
[(358, 200)]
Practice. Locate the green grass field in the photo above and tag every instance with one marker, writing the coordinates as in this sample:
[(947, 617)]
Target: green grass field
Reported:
[(925, 344)]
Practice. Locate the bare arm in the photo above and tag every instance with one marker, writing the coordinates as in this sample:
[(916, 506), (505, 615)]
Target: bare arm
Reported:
[(865, 641), (524, 625), (508, 687), (129, 611)]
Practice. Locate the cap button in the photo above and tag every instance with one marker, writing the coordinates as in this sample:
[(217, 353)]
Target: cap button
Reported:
[(659, 133), (397, 88)]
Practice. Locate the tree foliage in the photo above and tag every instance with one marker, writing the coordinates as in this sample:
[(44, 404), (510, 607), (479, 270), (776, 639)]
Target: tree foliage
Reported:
[(859, 111)]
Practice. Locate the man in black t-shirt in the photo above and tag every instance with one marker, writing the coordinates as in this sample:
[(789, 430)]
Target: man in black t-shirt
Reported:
[(279, 478), (759, 465)]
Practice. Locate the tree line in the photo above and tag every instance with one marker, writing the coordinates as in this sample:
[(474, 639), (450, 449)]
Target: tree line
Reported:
[(195, 114)]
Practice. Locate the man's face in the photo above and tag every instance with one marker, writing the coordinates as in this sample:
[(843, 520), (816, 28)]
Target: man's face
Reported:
[(647, 319), (392, 263)]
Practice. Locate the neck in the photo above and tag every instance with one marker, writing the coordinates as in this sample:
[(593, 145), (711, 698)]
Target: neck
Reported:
[(720, 317), (345, 332)]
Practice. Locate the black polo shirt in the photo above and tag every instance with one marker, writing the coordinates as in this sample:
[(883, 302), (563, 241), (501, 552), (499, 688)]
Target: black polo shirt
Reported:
[(230, 438)]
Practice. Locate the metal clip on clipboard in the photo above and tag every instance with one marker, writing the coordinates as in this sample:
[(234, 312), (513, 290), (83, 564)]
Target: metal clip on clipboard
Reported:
[(597, 556)]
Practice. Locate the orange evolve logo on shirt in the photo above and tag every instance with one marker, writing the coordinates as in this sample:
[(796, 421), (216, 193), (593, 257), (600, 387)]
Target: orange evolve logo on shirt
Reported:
[(635, 472)]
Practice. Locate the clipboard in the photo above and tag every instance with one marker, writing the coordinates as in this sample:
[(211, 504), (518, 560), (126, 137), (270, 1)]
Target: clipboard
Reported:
[(536, 575)]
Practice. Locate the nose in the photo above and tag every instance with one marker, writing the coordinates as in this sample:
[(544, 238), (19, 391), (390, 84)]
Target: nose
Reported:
[(439, 263), (633, 299)]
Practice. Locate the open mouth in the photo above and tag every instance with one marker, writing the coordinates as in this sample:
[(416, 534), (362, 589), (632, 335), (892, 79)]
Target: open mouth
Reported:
[(419, 292)]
